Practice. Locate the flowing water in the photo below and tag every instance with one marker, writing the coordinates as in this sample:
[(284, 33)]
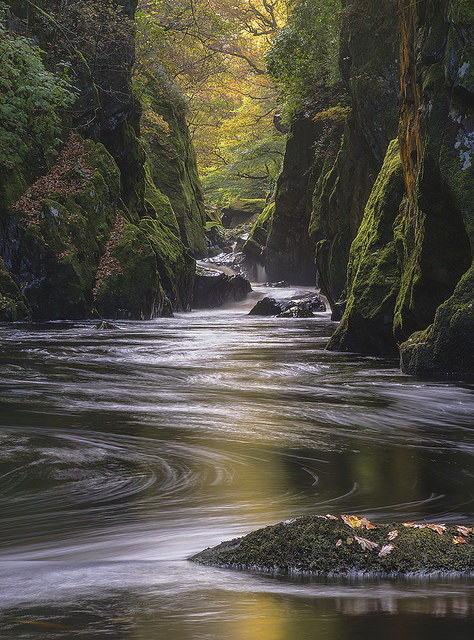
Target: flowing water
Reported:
[(124, 452)]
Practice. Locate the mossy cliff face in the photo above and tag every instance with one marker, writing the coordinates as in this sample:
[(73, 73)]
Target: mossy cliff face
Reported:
[(92, 233), (173, 169), (289, 251), (432, 232), (373, 272), (344, 150)]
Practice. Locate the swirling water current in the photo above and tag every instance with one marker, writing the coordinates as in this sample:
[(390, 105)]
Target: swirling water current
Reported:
[(124, 452)]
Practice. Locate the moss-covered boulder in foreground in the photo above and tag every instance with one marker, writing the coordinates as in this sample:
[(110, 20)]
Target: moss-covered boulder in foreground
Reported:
[(331, 545)]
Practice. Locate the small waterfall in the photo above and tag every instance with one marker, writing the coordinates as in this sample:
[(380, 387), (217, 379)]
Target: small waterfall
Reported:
[(261, 273)]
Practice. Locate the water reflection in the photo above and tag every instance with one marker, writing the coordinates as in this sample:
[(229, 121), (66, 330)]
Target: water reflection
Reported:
[(124, 452)]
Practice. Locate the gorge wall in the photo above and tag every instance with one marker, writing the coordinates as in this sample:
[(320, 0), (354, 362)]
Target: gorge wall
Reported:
[(111, 225), (410, 263), (382, 201)]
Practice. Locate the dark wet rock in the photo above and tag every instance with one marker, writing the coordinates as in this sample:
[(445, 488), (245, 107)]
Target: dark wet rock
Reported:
[(266, 307), (311, 302), (105, 325), (300, 308), (213, 288), (241, 211), (295, 312), (273, 285), (322, 545)]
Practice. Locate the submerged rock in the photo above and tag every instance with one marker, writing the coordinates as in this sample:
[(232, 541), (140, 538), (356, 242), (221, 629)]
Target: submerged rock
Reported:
[(331, 545), (214, 289)]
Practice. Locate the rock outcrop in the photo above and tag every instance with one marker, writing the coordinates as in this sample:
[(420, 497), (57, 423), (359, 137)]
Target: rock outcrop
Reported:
[(212, 288), (100, 230), (415, 244), (334, 155)]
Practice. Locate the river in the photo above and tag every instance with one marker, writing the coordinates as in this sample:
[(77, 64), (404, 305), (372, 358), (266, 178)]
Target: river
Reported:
[(124, 452)]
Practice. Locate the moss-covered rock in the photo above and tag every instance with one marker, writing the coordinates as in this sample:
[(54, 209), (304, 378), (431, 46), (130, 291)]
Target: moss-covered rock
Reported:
[(373, 274), (329, 546), (145, 272), (446, 347), (93, 231), (241, 211), (331, 166), (254, 246), (290, 251), (13, 304), (173, 169)]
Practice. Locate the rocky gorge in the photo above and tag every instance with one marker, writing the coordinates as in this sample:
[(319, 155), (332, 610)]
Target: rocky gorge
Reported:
[(373, 204)]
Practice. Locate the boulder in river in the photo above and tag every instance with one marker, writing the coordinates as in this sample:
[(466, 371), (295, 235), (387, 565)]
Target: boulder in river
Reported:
[(346, 545), (299, 308), (213, 288), (266, 307)]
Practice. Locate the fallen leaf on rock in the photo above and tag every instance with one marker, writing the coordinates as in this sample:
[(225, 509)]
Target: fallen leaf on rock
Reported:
[(439, 528), (464, 531), (408, 524), (393, 534), (385, 550), (459, 540), (356, 522), (366, 544), (329, 516)]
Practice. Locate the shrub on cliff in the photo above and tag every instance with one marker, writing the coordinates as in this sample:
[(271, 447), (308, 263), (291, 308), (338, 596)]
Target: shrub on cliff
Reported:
[(29, 100)]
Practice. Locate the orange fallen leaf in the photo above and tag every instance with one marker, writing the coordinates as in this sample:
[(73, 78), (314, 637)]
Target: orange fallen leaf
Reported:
[(439, 528), (464, 531), (393, 534), (356, 522), (459, 540)]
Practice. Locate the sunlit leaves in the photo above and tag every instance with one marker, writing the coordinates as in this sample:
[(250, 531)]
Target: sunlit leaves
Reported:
[(357, 522), (212, 52), (459, 540), (393, 534)]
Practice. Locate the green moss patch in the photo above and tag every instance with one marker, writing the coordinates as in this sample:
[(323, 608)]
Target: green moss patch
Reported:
[(332, 545), (446, 347), (373, 275)]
